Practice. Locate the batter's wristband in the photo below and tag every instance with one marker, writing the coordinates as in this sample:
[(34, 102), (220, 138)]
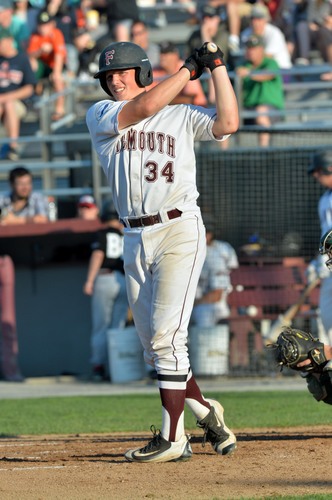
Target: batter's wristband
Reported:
[(215, 63), (191, 68)]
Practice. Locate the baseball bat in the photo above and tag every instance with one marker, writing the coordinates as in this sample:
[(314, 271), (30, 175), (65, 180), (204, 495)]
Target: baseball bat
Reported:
[(286, 318)]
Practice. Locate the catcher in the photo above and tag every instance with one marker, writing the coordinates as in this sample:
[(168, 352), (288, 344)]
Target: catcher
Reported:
[(300, 351)]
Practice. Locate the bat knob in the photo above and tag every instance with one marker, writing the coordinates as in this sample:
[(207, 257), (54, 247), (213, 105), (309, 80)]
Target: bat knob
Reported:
[(211, 47)]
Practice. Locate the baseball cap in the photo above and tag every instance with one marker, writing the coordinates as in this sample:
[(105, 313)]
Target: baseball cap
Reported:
[(321, 161), (44, 17), (5, 33), (255, 41), (209, 11), (259, 11), (167, 47), (87, 201), (6, 4)]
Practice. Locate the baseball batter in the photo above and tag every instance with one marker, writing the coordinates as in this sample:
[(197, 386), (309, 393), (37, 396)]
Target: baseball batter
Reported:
[(146, 149)]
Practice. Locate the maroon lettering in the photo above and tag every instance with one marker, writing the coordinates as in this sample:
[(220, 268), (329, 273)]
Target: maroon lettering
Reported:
[(152, 141), (141, 140), (131, 140), (171, 146)]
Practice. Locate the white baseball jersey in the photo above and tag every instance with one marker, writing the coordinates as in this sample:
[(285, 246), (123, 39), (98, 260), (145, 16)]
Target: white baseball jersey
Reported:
[(151, 170), (158, 152), (220, 259)]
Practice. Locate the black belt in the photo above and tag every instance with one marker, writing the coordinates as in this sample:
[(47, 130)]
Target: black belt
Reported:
[(104, 270), (150, 220)]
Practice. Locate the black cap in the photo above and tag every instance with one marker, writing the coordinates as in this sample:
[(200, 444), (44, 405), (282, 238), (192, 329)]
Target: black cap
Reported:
[(321, 161), (44, 17), (167, 47), (255, 41)]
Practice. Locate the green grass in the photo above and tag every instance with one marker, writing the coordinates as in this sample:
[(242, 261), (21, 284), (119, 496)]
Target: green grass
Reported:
[(292, 497), (130, 413)]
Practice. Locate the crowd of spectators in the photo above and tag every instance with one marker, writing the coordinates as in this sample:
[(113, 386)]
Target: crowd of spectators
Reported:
[(62, 39)]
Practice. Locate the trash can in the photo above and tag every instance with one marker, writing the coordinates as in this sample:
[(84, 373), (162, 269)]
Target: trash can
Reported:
[(209, 350), (125, 355)]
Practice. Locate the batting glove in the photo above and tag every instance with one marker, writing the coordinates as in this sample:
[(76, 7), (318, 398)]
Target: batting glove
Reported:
[(194, 66), (210, 60)]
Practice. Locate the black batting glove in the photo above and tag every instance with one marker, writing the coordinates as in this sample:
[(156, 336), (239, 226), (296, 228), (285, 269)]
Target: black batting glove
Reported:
[(194, 66), (208, 59)]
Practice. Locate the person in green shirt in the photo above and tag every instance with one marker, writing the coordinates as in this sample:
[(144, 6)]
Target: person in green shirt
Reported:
[(262, 93)]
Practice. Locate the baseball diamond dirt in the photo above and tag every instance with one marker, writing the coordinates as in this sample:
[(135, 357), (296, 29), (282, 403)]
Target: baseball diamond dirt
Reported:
[(267, 463)]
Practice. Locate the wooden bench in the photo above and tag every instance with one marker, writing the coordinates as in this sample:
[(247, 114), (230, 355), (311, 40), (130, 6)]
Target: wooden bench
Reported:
[(263, 289)]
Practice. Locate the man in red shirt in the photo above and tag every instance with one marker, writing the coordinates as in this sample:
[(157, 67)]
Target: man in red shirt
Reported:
[(47, 52)]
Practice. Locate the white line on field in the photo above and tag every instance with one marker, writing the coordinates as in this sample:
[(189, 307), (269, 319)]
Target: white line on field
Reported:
[(30, 443), (42, 467)]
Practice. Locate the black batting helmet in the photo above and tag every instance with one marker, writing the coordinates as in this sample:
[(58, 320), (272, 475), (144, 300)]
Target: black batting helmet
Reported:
[(124, 55), (321, 161)]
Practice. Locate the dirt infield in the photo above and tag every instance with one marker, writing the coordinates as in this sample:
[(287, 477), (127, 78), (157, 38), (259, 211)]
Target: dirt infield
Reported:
[(283, 461)]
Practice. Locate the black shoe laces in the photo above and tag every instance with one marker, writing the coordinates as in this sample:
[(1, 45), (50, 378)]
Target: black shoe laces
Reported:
[(154, 443), (212, 432)]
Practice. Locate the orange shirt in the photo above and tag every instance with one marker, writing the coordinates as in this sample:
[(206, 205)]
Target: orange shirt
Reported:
[(56, 39)]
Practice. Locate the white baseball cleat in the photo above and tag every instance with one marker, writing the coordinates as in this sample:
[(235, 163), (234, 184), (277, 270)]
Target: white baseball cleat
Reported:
[(222, 439), (160, 450)]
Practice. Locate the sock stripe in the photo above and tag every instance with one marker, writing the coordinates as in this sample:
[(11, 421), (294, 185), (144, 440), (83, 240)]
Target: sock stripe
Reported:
[(172, 378)]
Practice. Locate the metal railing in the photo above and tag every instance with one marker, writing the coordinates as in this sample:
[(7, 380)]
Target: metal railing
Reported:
[(47, 163)]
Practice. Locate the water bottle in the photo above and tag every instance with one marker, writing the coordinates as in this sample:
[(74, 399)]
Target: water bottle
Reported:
[(52, 209)]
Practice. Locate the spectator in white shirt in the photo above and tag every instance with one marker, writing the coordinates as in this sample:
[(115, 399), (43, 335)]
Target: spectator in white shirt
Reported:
[(274, 39)]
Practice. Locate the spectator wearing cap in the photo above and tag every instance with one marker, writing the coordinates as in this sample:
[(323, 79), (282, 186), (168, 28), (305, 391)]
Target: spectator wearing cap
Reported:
[(17, 84), (47, 52), (18, 26), (65, 16), (262, 93), (273, 38), (87, 208), (140, 35), (106, 285), (170, 62)]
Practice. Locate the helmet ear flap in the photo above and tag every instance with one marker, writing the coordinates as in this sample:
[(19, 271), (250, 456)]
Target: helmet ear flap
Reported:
[(144, 76), (104, 86)]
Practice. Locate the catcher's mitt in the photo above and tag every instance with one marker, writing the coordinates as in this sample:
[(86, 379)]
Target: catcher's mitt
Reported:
[(320, 384), (293, 346)]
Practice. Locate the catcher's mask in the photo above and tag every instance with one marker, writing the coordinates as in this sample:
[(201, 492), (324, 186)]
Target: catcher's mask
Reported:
[(124, 55), (325, 248), (321, 162)]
